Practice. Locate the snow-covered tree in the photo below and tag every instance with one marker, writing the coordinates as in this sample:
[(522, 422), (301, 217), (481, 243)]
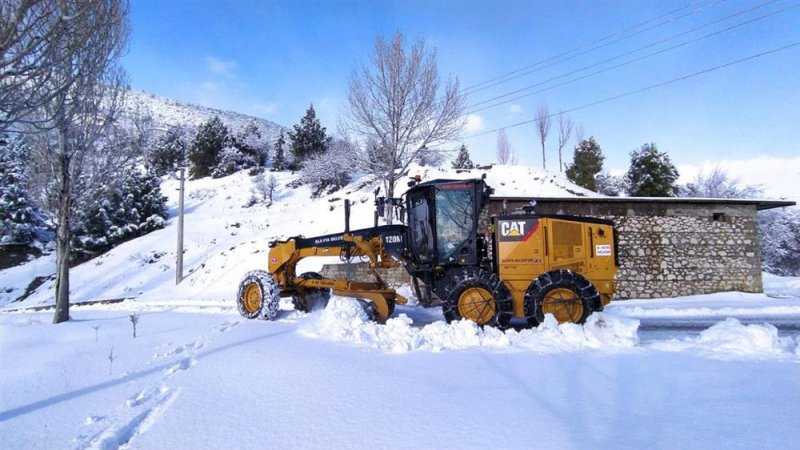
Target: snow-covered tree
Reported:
[(168, 152), (332, 169), (207, 146), (610, 185), (779, 230), (279, 160), (463, 160), (429, 157), (264, 189), (308, 138), (651, 173), (587, 162), (250, 142), (117, 214), (718, 184), (20, 219), (232, 160)]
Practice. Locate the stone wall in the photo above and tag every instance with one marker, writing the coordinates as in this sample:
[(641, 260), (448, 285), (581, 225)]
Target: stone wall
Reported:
[(666, 248)]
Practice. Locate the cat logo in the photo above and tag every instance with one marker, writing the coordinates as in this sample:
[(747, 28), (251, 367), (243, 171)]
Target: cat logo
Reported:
[(512, 229), (517, 230)]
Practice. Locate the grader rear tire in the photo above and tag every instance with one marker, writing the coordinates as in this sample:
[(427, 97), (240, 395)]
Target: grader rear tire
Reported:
[(259, 296), (567, 295), (311, 299), (479, 296)]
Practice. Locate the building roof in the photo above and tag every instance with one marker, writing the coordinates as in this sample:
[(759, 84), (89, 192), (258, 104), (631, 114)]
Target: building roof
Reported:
[(761, 204)]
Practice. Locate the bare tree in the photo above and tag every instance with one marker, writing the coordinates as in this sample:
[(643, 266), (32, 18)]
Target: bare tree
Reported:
[(579, 134), (396, 106), (543, 127), (78, 118), (35, 36), (718, 184), (564, 133), (503, 151)]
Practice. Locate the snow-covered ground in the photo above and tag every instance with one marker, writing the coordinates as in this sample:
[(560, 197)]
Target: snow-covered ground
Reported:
[(199, 376), (203, 377)]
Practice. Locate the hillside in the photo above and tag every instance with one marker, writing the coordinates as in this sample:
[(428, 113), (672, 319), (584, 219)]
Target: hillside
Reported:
[(223, 239), (166, 112)]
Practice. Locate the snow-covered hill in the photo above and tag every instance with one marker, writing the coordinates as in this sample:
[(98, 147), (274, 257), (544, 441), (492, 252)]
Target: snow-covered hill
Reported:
[(166, 112)]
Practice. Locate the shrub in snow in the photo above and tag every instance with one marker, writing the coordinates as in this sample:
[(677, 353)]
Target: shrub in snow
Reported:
[(331, 170), (263, 189), (779, 230), (117, 214), (232, 160), (204, 151), (610, 185), (168, 153), (651, 173), (20, 220)]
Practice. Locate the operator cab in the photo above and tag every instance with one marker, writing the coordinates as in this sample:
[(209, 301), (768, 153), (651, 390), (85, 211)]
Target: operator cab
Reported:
[(443, 221)]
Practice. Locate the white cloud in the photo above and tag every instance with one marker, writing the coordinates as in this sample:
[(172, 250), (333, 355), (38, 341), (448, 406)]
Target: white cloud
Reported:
[(779, 177), (474, 123), (516, 109), (220, 66)]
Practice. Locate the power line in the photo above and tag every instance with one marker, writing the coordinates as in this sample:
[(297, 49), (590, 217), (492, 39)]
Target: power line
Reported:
[(533, 67), (648, 88), (649, 55)]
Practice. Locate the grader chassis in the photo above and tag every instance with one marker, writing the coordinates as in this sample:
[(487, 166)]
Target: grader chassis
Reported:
[(525, 266)]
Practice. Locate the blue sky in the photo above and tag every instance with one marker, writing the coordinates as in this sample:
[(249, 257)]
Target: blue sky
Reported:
[(272, 59)]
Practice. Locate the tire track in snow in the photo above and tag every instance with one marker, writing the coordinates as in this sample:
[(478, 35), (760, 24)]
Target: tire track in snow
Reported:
[(143, 408)]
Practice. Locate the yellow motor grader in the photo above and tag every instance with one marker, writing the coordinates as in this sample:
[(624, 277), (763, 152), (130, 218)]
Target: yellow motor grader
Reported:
[(524, 266)]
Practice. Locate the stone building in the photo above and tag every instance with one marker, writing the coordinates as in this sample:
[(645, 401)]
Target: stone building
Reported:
[(667, 247)]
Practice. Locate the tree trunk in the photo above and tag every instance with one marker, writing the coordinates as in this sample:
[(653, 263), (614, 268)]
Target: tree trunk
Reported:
[(544, 159), (63, 235)]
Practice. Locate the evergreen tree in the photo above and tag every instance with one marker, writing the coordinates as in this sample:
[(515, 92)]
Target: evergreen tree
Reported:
[(232, 160), (168, 153), (279, 161), (20, 220), (131, 209), (207, 146), (587, 162), (430, 158), (308, 138), (651, 173), (462, 160)]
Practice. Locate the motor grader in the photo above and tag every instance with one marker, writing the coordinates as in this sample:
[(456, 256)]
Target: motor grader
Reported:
[(524, 266)]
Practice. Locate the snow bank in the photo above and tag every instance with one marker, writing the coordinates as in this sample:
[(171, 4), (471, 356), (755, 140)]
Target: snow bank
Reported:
[(344, 320), (732, 339)]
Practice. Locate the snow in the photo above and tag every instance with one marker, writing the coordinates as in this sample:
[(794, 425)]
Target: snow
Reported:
[(198, 375)]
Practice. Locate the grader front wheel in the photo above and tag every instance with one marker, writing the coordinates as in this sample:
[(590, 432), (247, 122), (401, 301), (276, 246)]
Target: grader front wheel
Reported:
[(258, 296)]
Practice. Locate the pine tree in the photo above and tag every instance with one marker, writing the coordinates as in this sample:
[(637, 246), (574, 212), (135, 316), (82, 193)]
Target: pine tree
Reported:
[(206, 147), (651, 173), (131, 209), (308, 138), (587, 162), (168, 153), (279, 161), (463, 160), (20, 220)]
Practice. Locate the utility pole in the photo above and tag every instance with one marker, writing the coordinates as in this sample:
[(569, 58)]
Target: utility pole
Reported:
[(179, 264)]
